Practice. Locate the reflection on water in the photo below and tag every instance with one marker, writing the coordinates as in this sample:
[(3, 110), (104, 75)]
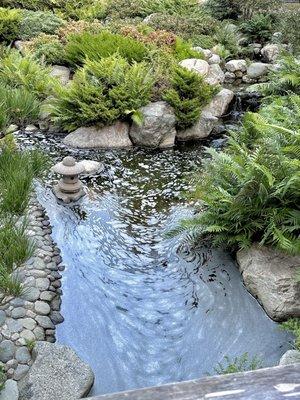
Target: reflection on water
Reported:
[(142, 309)]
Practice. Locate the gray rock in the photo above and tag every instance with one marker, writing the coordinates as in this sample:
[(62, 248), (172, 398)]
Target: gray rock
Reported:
[(270, 53), (29, 323), (91, 167), (220, 103), (236, 65), (18, 312), (56, 317), (22, 355), (62, 73), (7, 350), (42, 283), (270, 276), (31, 294), (2, 317), (39, 333), (14, 325), (41, 307), (57, 373), (229, 76), (10, 391), (214, 59), (290, 357), (47, 296), (215, 75), (27, 335), (20, 371), (256, 70), (158, 123), (200, 130), (31, 129), (196, 65), (44, 322), (114, 136)]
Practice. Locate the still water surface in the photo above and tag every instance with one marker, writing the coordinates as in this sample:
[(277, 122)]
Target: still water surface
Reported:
[(142, 309)]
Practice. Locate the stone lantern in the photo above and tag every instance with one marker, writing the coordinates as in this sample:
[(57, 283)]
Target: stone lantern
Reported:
[(69, 188)]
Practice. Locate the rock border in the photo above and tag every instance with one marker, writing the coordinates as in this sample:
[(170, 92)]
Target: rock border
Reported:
[(32, 316)]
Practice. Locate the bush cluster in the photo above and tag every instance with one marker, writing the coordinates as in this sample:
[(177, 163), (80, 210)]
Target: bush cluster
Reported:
[(95, 47), (10, 21), (188, 95), (35, 22), (102, 92)]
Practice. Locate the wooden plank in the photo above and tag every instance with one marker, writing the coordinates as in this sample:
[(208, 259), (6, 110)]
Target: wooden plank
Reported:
[(277, 383)]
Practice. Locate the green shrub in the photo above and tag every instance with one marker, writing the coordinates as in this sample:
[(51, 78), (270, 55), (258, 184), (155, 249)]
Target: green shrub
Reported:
[(188, 95), (19, 106), (31, 4), (204, 41), (48, 49), (17, 71), (238, 364), (102, 92), (189, 27), (259, 28), (222, 9), (9, 24), (244, 9), (250, 192), (288, 24), (87, 10), (293, 326), (183, 50), (143, 8), (36, 22), (95, 47), (227, 36)]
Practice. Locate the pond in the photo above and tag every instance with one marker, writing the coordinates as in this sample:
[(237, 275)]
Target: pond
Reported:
[(143, 309)]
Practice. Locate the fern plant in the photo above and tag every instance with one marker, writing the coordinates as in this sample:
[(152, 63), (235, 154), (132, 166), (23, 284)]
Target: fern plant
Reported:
[(17, 71), (284, 80), (238, 364), (251, 191), (293, 326)]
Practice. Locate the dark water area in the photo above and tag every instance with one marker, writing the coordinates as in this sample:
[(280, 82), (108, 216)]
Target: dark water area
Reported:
[(140, 308)]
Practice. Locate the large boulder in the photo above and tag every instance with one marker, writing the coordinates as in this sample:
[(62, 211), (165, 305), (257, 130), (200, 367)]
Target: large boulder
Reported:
[(269, 275), (220, 103), (290, 357), (196, 65), (215, 75), (57, 373), (236, 66), (158, 127), (93, 137), (61, 73), (203, 128), (209, 117), (270, 53), (257, 70)]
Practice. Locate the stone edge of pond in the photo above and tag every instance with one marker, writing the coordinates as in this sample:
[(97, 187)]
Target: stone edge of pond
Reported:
[(32, 316)]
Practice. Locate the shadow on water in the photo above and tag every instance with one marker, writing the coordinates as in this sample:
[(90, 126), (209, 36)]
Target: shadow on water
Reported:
[(142, 309)]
